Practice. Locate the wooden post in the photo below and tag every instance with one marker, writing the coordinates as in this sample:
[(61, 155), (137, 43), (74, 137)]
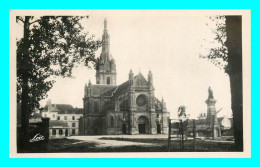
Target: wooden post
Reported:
[(169, 135), (194, 134), (182, 142), (213, 127)]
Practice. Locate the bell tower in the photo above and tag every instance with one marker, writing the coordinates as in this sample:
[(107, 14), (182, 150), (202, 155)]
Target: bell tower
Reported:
[(106, 73)]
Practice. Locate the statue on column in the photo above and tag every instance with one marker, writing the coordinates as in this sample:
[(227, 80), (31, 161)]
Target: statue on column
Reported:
[(210, 93)]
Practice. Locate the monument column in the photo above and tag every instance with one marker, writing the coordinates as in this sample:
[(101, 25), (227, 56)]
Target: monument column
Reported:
[(212, 119)]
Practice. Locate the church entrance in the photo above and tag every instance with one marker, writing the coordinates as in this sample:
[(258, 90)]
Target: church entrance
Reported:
[(95, 131), (143, 126), (158, 129), (124, 129)]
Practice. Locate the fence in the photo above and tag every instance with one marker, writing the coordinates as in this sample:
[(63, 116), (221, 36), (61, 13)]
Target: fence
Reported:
[(178, 130)]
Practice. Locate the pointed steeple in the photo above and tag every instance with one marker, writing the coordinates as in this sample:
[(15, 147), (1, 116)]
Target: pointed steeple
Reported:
[(106, 74), (105, 23), (105, 54)]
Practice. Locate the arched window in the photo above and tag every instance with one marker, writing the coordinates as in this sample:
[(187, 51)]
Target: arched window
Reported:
[(111, 121), (60, 132), (108, 80), (73, 117), (73, 124), (96, 107)]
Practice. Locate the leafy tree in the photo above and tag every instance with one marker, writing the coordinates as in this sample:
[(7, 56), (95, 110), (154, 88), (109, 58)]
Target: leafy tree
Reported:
[(228, 56), (50, 46), (184, 118)]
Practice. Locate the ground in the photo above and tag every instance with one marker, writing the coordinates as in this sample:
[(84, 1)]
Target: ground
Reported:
[(129, 143)]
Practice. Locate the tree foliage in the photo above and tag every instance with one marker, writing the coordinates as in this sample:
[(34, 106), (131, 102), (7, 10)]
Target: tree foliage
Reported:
[(183, 117), (51, 46), (182, 112), (217, 51), (228, 56)]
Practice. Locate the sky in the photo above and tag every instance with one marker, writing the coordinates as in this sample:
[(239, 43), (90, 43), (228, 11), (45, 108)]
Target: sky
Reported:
[(166, 42)]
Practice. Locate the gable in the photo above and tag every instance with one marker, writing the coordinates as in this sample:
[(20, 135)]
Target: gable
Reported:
[(140, 81)]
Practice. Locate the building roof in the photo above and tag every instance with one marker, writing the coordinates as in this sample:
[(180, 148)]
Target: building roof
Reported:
[(220, 119), (102, 90), (121, 88), (57, 123), (73, 111), (64, 109), (58, 107), (36, 116), (113, 90)]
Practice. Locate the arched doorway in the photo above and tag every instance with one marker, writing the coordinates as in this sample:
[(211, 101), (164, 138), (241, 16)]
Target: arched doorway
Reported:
[(95, 131), (97, 127), (158, 129), (143, 125), (124, 129), (108, 80)]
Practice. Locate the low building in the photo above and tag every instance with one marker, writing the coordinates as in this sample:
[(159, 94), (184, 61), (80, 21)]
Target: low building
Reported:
[(64, 119), (58, 129)]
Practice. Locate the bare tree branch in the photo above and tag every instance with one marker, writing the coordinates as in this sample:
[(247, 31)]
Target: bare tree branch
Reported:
[(19, 18), (35, 21)]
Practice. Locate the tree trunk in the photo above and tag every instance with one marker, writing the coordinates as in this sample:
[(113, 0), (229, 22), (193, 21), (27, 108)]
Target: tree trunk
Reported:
[(234, 70), (25, 88)]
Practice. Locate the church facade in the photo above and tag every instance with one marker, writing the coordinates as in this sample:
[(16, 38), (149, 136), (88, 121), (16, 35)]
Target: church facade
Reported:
[(128, 108)]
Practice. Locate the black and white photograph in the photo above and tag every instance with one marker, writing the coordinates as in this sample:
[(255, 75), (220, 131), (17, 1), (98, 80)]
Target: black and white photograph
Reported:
[(130, 83)]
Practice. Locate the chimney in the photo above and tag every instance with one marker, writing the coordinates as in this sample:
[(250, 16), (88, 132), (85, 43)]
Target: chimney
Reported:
[(49, 105)]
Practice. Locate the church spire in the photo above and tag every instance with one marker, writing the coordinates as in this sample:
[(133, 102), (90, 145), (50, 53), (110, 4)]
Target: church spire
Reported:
[(106, 74), (105, 54), (105, 23)]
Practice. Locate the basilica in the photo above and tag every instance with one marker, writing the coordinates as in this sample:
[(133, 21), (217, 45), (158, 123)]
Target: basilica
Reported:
[(128, 108)]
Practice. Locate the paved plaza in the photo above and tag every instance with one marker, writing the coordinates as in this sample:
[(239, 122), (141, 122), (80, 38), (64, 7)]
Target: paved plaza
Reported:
[(103, 141)]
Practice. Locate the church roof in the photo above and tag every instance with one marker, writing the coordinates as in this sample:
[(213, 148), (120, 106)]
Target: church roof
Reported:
[(121, 88), (102, 90), (112, 90)]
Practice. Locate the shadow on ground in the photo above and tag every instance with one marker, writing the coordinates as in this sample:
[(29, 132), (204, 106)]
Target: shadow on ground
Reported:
[(155, 145)]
